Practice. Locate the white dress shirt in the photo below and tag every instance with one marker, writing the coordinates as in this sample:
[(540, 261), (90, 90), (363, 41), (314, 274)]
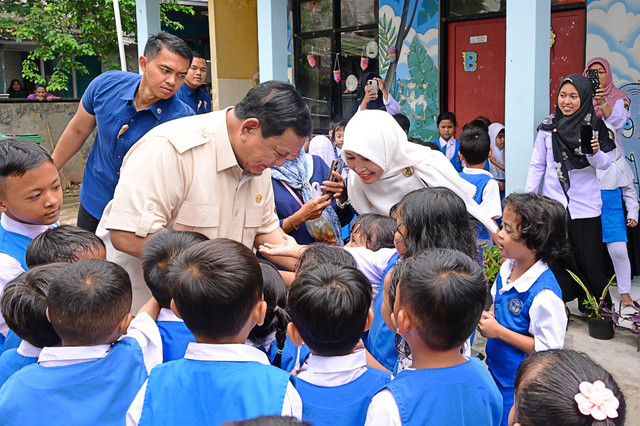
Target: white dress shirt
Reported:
[(331, 371), (451, 146), (490, 194)]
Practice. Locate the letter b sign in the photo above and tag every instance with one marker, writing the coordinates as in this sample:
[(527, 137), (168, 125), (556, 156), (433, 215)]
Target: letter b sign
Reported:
[(470, 61)]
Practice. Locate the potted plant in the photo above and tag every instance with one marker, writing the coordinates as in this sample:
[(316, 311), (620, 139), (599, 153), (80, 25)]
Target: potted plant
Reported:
[(600, 323), (633, 317)]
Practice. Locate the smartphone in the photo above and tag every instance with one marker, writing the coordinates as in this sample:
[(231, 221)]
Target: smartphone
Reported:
[(373, 84), (592, 75), (586, 134), (336, 166)]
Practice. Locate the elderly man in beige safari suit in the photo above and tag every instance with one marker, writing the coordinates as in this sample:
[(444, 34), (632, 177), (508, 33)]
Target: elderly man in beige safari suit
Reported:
[(206, 173)]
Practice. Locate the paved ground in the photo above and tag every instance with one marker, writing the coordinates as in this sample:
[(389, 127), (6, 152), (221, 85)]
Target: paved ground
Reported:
[(619, 355)]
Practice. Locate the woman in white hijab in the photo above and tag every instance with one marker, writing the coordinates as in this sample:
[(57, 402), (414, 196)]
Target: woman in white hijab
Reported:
[(496, 135), (384, 167)]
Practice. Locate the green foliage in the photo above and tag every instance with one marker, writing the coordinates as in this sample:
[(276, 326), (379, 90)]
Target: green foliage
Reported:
[(428, 10), (66, 29), (424, 74), (388, 35), (491, 262), (591, 303)]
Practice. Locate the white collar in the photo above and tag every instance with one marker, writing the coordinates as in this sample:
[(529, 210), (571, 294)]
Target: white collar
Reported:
[(26, 229), (525, 281), (473, 171), (444, 143), (27, 349), (168, 316), (228, 352), (336, 364), (69, 355)]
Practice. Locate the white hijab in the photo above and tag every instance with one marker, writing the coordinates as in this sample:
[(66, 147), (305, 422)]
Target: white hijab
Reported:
[(406, 166), (497, 153)]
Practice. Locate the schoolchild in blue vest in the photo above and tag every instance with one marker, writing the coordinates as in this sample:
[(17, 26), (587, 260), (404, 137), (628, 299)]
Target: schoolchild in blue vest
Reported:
[(190, 92), (96, 373), (30, 203), (271, 337), (217, 290), (527, 314), (157, 256), (330, 308), (475, 148), (447, 143), (440, 296), (24, 306), (65, 243)]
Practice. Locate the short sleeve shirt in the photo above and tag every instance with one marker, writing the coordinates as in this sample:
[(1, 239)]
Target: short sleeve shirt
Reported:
[(184, 175), (197, 100), (109, 98)]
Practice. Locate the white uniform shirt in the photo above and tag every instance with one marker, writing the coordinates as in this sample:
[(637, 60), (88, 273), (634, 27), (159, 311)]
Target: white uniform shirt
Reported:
[(331, 371), (451, 146), (490, 195)]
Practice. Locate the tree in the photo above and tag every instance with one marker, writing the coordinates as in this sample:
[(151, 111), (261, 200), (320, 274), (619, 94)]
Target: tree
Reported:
[(64, 30)]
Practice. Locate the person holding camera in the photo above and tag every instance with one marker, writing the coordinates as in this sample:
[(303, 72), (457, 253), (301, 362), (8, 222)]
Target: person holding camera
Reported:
[(562, 169), (616, 183), (373, 95)]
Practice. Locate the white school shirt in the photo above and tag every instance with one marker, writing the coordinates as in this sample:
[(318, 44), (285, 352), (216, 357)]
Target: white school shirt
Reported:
[(451, 146), (142, 328), (168, 315), (27, 349), (584, 193), (548, 319), (490, 194), (292, 405), (331, 371), (10, 267), (372, 264)]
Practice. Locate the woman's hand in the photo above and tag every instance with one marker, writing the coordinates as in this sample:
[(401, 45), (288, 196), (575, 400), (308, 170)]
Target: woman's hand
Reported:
[(599, 97), (631, 223), (595, 144), (336, 187), (289, 247), (382, 88), (312, 209), (368, 97)]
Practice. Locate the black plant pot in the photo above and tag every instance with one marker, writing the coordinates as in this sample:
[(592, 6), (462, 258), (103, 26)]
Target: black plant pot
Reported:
[(600, 328)]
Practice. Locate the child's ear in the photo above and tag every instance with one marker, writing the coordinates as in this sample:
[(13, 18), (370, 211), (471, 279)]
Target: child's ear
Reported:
[(3, 206), (259, 311), (174, 309), (47, 313), (461, 157), (292, 332), (369, 322), (403, 321), (124, 323)]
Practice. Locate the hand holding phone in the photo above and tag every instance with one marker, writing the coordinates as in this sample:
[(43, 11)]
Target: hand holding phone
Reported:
[(586, 134), (372, 87), (336, 166), (592, 75)]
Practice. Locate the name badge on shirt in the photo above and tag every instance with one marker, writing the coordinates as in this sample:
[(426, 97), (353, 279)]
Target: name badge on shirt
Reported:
[(515, 306)]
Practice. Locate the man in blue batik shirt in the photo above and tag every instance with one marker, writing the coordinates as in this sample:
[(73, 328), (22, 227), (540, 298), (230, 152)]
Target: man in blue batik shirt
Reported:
[(191, 93), (123, 106)]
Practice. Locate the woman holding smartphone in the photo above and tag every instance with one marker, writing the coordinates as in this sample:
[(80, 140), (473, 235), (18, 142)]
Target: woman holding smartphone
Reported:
[(373, 95), (612, 105), (560, 170)]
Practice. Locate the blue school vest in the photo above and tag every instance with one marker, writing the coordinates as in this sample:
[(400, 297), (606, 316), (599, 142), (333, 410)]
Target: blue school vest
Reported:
[(193, 392), (89, 393), (11, 361), (480, 181), (512, 311), (14, 245), (175, 339), (461, 395), (455, 160), (11, 341), (343, 405), (289, 354), (380, 341)]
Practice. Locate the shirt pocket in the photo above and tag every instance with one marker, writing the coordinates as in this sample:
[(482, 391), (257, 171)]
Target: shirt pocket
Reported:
[(252, 222), (198, 215)]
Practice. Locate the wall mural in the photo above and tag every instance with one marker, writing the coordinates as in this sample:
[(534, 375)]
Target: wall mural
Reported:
[(408, 55), (613, 32)]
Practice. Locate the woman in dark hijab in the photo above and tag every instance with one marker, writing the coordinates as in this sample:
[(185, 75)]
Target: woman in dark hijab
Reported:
[(560, 170), (369, 99), (16, 90)]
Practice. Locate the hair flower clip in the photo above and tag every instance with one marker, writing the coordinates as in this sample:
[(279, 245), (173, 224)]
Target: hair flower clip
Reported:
[(595, 400)]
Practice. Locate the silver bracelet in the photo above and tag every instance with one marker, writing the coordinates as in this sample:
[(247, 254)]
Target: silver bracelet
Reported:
[(342, 205)]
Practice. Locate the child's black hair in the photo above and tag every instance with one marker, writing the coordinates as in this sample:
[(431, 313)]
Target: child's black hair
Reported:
[(276, 319), (445, 292), (447, 115), (547, 383), (378, 230), (268, 421), (329, 306), (436, 218), (475, 146), (318, 254), (24, 305), (403, 121), (65, 243), (543, 224), (477, 123), (215, 286), (87, 300), (157, 256), (18, 156), (338, 123)]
